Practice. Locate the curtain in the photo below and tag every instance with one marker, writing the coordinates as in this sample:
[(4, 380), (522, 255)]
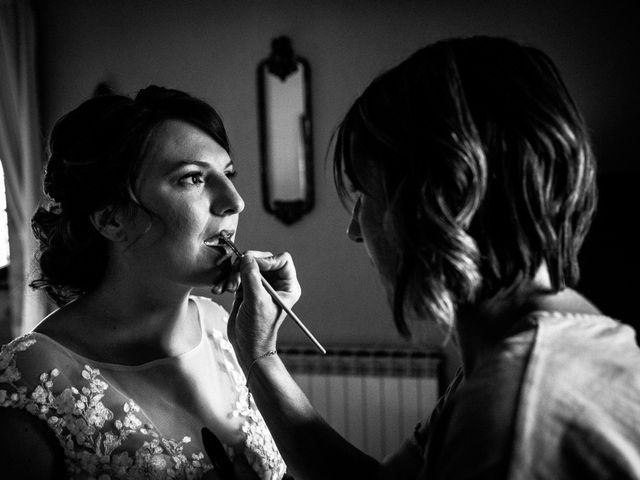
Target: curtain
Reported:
[(21, 155)]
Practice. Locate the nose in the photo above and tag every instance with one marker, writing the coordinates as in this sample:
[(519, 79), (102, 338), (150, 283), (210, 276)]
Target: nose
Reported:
[(226, 200), (353, 230)]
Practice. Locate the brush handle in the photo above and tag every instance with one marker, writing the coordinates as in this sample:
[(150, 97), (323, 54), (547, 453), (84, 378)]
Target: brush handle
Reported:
[(278, 300), (276, 297)]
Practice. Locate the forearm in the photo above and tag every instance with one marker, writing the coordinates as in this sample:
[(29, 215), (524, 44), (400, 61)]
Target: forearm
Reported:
[(311, 448)]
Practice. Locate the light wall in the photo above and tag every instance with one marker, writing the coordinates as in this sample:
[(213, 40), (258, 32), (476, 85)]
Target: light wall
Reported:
[(212, 48)]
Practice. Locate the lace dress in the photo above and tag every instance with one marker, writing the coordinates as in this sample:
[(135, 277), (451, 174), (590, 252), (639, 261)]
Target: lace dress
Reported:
[(143, 421)]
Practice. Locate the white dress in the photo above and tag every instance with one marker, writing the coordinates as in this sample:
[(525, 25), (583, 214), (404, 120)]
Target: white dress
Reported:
[(143, 421)]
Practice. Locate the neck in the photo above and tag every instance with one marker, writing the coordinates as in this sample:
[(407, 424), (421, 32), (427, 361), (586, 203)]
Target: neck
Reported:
[(137, 324), (481, 325), (140, 316)]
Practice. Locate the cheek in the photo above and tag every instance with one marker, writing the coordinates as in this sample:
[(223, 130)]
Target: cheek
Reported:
[(168, 225), (378, 247), (180, 219), (382, 254), (384, 259)]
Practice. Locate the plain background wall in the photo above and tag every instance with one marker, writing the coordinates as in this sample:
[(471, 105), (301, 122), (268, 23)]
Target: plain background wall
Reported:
[(211, 49)]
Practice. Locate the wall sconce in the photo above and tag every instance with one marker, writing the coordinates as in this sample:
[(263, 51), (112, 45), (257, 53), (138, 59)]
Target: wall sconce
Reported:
[(286, 153)]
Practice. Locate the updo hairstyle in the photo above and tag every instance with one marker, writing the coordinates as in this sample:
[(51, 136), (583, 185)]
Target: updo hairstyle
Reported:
[(94, 157)]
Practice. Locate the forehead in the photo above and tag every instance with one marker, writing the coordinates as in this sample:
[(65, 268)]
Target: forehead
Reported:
[(176, 141)]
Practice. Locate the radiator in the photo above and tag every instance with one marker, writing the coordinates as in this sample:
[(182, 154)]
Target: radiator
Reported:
[(372, 397)]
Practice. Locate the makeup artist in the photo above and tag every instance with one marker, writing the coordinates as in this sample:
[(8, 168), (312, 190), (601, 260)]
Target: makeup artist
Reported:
[(121, 379), (474, 187)]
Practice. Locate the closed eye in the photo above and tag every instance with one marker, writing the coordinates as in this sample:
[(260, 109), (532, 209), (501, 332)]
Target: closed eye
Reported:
[(231, 174)]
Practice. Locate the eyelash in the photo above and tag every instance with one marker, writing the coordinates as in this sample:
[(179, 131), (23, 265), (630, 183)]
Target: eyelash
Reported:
[(188, 177), (199, 175)]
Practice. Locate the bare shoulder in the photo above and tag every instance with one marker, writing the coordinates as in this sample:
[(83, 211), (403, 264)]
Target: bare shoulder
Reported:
[(68, 326), (57, 321), (28, 448)]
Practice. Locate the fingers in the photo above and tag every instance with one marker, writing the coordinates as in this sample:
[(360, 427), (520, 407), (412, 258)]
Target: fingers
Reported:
[(256, 314), (231, 281), (258, 254), (250, 278), (270, 262), (280, 272)]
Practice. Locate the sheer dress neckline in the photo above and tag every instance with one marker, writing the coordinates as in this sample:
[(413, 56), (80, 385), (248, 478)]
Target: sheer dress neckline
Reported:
[(142, 366), (113, 419)]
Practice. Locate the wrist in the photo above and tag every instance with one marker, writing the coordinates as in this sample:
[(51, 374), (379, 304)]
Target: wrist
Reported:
[(247, 356), (255, 364)]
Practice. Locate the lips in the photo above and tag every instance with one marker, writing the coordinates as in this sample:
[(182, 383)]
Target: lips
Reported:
[(214, 241), (220, 247), (223, 262)]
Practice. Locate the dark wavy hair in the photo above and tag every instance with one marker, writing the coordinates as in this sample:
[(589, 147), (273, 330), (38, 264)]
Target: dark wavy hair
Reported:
[(487, 171), (95, 154)]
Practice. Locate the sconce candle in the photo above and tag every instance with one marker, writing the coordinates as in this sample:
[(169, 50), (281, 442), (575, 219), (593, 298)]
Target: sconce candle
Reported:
[(285, 133)]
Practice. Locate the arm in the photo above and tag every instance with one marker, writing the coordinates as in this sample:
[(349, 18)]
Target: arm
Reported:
[(311, 448), (28, 448)]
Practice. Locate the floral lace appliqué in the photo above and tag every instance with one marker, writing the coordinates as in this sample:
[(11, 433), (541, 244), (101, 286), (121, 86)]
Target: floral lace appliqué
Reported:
[(91, 436), (260, 448)]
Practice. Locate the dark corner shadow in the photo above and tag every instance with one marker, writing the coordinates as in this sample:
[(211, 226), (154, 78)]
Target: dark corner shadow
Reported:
[(609, 259)]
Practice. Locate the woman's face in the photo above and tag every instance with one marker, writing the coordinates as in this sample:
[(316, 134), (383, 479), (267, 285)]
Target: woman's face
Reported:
[(367, 218), (185, 182)]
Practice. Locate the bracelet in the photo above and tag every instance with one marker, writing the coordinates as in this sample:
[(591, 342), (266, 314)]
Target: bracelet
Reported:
[(270, 353)]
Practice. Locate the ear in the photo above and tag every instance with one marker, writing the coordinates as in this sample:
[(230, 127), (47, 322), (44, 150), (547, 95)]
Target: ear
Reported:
[(108, 221)]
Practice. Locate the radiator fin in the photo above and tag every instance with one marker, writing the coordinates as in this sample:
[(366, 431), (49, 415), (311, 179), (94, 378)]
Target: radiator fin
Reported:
[(372, 397)]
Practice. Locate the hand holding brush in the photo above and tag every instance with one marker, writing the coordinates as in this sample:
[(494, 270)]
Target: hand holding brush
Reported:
[(276, 298)]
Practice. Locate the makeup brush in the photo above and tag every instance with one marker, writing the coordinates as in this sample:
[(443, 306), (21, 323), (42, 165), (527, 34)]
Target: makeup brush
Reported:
[(277, 299)]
